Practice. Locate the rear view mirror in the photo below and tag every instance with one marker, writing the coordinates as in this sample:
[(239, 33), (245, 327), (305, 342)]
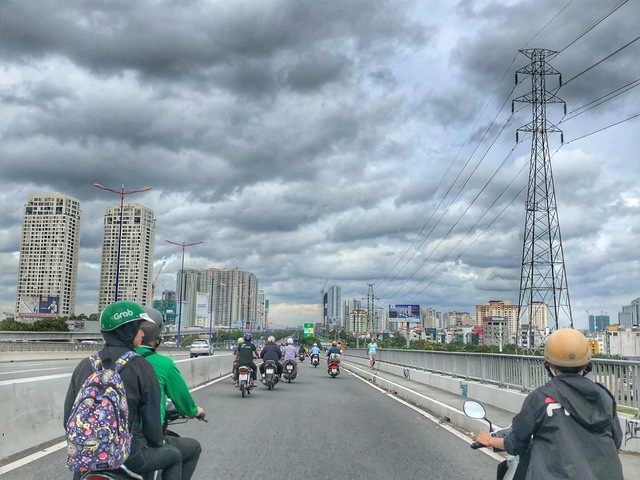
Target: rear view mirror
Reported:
[(474, 409)]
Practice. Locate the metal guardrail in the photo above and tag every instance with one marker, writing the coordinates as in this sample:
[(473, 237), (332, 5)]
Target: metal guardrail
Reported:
[(519, 372), (59, 347)]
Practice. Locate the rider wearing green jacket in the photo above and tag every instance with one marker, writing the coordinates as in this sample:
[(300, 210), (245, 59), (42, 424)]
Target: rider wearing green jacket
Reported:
[(172, 386)]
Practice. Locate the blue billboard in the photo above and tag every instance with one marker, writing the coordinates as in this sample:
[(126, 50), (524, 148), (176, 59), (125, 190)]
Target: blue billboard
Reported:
[(404, 313)]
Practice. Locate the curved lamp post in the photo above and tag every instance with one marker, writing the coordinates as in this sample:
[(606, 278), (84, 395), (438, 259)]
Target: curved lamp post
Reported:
[(123, 193), (182, 281)]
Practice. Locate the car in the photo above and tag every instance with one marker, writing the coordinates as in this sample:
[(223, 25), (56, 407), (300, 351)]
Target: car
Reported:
[(170, 344), (200, 347)]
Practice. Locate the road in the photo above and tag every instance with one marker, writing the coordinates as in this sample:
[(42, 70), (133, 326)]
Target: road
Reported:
[(316, 427)]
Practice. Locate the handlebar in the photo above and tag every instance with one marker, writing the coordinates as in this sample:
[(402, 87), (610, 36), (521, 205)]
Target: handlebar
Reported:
[(476, 445), (201, 418)]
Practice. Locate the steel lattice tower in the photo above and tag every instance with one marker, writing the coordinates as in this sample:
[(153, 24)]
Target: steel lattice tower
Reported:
[(370, 308), (543, 278)]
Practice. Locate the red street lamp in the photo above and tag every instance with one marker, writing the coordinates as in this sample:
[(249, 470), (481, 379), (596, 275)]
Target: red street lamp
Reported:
[(184, 246), (122, 192)]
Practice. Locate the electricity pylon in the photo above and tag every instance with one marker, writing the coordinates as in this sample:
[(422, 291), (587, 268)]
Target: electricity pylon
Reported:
[(543, 280)]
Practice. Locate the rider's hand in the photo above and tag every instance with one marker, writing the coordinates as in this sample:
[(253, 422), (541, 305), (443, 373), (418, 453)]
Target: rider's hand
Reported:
[(485, 439), (200, 411)]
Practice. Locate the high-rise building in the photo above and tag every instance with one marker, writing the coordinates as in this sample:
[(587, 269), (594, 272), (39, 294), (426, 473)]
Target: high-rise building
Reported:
[(630, 314), (49, 249), (235, 298), (134, 249), (499, 308), (334, 307), (599, 323)]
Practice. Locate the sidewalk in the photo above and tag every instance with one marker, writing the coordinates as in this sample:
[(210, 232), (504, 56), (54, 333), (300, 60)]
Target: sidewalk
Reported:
[(448, 406)]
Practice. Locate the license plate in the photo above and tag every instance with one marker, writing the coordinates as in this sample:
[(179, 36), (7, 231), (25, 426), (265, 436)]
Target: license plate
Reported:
[(289, 368), (270, 370), (334, 370), (244, 377)]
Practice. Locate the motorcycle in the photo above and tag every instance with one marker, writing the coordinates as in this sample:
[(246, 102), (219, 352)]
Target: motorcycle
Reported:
[(301, 356), (315, 360), (270, 377), (507, 468), (289, 372), (171, 417), (244, 380), (333, 368)]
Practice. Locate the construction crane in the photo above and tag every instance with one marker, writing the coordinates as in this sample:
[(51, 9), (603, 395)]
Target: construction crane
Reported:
[(153, 285)]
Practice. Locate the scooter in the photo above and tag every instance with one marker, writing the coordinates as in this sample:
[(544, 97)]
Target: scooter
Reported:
[(507, 468), (315, 360), (244, 380), (289, 372), (171, 417), (333, 368), (301, 356), (270, 377)]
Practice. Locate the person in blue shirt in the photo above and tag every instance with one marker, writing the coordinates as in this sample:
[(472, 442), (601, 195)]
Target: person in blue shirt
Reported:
[(314, 350), (372, 351)]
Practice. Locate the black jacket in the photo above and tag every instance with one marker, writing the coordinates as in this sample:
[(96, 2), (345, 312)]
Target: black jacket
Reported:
[(271, 351), (143, 393), (568, 429)]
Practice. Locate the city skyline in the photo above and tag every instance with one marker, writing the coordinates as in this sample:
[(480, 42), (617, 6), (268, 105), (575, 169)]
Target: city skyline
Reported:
[(276, 147)]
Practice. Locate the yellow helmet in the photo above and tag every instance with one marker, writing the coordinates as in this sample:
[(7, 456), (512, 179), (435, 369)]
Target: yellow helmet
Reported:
[(567, 347), (240, 340)]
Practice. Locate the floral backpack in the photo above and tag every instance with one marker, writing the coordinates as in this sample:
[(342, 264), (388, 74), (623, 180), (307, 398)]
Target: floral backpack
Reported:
[(98, 436)]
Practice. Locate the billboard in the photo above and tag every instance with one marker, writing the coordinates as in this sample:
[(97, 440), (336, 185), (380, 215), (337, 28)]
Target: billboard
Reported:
[(202, 305), (404, 313), (39, 306), (308, 330)]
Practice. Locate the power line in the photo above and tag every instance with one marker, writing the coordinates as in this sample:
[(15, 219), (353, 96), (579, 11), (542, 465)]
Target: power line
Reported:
[(603, 128), (594, 25), (619, 91), (599, 62), (549, 22)]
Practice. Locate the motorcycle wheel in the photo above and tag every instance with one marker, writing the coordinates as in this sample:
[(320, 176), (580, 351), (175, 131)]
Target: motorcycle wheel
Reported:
[(270, 385), (242, 389)]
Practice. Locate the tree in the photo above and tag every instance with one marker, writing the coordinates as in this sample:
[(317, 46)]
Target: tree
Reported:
[(50, 325)]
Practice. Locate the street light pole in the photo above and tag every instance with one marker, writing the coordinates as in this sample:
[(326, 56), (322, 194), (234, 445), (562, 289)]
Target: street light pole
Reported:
[(122, 194), (182, 281)]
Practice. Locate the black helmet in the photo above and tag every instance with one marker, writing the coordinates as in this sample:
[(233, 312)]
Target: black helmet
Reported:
[(152, 331)]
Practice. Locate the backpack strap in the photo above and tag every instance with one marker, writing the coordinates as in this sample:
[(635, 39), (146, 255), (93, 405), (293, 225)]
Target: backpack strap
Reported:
[(147, 353), (96, 363), (124, 359)]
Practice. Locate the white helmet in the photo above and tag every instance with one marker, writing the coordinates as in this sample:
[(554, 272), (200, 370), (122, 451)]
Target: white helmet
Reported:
[(315, 344), (290, 341)]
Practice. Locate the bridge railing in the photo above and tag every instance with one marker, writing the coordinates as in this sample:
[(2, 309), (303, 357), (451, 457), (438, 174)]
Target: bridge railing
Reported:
[(521, 372)]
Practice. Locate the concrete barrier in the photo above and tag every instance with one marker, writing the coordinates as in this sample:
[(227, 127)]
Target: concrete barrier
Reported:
[(33, 407)]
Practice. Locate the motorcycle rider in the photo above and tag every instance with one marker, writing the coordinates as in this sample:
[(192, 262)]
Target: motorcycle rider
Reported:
[(173, 386), (314, 351), (290, 352), (120, 323), (569, 427), (271, 351), (334, 352), (247, 351)]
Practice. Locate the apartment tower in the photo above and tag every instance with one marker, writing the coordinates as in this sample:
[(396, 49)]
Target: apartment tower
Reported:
[(48, 265), (135, 250)]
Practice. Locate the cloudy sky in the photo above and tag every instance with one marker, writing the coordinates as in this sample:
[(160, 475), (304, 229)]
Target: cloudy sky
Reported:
[(355, 142)]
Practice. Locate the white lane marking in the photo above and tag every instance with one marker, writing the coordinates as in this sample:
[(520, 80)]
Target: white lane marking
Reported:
[(435, 420), (59, 446), (32, 457), (32, 370)]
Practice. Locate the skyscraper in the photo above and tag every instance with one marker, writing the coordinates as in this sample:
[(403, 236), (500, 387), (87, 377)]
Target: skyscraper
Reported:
[(49, 248), (334, 307), (235, 298), (136, 255)]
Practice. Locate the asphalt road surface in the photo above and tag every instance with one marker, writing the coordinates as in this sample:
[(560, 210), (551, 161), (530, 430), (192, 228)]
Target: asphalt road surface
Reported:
[(314, 428)]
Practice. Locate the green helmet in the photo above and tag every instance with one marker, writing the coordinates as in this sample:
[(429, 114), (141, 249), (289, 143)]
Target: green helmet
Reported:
[(121, 312)]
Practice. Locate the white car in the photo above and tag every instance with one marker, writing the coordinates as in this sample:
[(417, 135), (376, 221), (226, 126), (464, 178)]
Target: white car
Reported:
[(200, 347), (170, 344)]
